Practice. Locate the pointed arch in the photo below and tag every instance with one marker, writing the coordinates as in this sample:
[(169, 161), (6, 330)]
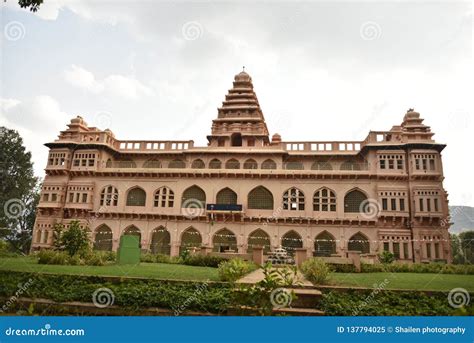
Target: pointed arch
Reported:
[(293, 199), (350, 165), (324, 200), (294, 165), (226, 196), (291, 241), (132, 230), (215, 164), (260, 198), (109, 196), (224, 240), (103, 238), (250, 164), (321, 165), (136, 196), (163, 197), (324, 244), (359, 242), (160, 241), (259, 238), (190, 238), (193, 196), (353, 200), (198, 164), (152, 163), (177, 164), (232, 164), (269, 164)]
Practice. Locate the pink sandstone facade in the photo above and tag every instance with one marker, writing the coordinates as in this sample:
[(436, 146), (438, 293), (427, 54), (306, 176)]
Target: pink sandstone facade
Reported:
[(245, 190)]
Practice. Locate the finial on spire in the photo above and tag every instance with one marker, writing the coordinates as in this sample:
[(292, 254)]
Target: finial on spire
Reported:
[(243, 68), (410, 110)]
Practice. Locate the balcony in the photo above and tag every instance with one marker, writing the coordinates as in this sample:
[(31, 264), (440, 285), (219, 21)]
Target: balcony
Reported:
[(224, 208)]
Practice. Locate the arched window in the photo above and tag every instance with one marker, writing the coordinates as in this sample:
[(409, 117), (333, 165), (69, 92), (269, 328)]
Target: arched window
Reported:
[(353, 201), (38, 236), (177, 164), (293, 200), (324, 244), (46, 236), (164, 197), (109, 196), (215, 164), (226, 196), (224, 240), (136, 197), (321, 166), (191, 238), (108, 164), (198, 164), (192, 196), (349, 165), (359, 242), (232, 164), (124, 164), (160, 241), (250, 164), (260, 198), (291, 241), (269, 164), (324, 200), (133, 231), (152, 164), (259, 238), (294, 165), (103, 238)]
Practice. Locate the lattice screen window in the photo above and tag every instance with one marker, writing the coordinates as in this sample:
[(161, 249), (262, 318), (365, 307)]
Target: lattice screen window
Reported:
[(232, 164), (324, 200), (321, 166), (198, 164), (353, 201), (359, 242), (177, 164), (349, 165), (109, 196), (215, 164), (136, 197), (293, 200), (152, 164), (103, 238), (269, 164), (250, 164), (260, 198), (193, 196), (164, 197), (226, 196), (324, 244), (294, 166)]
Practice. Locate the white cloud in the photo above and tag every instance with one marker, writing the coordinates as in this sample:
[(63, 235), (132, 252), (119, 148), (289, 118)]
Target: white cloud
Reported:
[(115, 85)]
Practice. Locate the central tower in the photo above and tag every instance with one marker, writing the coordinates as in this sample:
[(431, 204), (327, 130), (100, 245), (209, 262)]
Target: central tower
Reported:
[(240, 120)]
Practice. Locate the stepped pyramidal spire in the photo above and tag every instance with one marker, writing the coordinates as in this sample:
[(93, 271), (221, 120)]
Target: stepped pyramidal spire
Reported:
[(240, 120)]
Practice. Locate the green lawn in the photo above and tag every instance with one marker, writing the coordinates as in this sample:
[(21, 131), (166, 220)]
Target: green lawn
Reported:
[(422, 281), (150, 270)]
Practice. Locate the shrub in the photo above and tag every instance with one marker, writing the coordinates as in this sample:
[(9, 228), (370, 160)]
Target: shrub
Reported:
[(419, 268), (91, 258), (94, 259), (234, 269), (75, 238), (52, 257), (342, 268), (147, 258), (204, 260), (315, 270), (386, 257)]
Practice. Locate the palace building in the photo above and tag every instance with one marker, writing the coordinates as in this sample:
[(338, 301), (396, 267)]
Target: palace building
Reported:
[(247, 189)]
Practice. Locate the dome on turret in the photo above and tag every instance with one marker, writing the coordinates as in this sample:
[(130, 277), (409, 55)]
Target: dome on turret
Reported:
[(242, 77)]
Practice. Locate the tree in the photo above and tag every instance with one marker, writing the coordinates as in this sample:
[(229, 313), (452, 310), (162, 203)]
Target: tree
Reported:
[(33, 5), (466, 239), (19, 191), (75, 238), (458, 257)]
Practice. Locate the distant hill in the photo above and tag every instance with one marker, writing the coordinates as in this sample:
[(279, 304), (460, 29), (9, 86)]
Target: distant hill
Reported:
[(462, 218)]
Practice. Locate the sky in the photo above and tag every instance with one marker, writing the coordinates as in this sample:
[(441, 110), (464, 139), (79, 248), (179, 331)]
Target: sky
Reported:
[(321, 70)]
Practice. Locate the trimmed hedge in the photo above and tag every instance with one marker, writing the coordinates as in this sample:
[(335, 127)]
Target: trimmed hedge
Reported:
[(389, 303), (204, 260), (129, 293), (441, 268)]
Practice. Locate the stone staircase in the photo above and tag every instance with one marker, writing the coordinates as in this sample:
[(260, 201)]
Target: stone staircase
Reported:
[(306, 303)]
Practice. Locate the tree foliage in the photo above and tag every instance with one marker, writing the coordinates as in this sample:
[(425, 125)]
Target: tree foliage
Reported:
[(32, 5), (75, 239), (19, 191)]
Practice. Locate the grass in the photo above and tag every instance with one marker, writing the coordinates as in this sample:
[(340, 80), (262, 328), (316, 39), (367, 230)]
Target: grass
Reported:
[(148, 270), (419, 281)]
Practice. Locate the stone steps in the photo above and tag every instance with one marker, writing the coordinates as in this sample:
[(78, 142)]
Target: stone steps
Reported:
[(296, 311)]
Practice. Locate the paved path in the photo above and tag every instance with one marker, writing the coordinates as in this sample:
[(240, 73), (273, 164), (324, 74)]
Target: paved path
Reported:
[(257, 275)]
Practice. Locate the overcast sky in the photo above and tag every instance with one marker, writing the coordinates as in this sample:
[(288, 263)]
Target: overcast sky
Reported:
[(321, 70)]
